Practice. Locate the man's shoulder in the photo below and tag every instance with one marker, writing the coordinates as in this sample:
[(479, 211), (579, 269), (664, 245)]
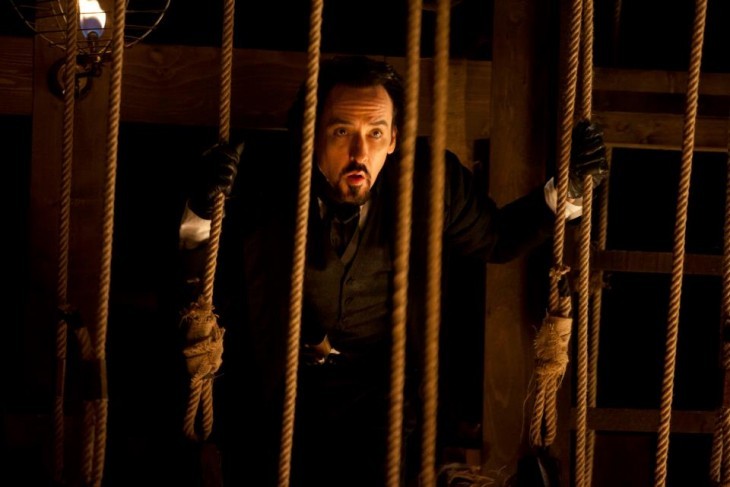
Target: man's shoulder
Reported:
[(423, 155)]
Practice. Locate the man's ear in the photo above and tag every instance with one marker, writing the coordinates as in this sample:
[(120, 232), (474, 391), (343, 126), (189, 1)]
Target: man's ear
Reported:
[(393, 138)]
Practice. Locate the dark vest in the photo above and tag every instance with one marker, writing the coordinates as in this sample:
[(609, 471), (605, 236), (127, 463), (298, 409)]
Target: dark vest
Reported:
[(349, 297)]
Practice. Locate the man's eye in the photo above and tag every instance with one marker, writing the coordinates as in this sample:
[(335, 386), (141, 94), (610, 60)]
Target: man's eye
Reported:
[(340, 131), (377, 133)]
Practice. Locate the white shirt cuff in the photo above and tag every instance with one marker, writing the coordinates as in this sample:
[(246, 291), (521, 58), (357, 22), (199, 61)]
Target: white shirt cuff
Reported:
[(193, 230), (572, 210)]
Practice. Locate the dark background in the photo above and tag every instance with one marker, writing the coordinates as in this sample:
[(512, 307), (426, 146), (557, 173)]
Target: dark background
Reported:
[(145, 384)]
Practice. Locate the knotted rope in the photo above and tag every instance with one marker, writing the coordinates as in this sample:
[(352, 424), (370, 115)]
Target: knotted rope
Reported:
[(678, 251), (403, 244), (545, 411), (300, 243), (435, 241), (551, 360), (64, 226), (204, 347)]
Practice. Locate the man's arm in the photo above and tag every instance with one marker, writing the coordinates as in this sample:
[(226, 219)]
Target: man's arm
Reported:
[(475, 226)]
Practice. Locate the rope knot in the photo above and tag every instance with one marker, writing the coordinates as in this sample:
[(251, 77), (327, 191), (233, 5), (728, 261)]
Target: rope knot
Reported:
[(558, 271), (551, 346), (204, 340)]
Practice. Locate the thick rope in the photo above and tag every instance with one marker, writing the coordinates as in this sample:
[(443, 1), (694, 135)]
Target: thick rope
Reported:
[(96, 410), (716, 452), (678, 251), (201, 387), (720, 460), (435, 240), (544, 410), (551, 360), (224, 125), (203, 357), (597, 292), (300, 243), (403, 244), (726, 308), (726, 446), (596, 305), (584, 254), (586, 63), (566, 126), (64, 225)]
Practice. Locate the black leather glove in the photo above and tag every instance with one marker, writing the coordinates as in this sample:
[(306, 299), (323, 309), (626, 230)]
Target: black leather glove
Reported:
[(588, 156), (213, 173)]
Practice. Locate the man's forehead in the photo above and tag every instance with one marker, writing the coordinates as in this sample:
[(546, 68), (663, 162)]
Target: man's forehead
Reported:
[(345, 102)]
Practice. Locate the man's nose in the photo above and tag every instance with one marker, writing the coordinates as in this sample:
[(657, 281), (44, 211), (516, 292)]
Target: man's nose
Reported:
[(358, 149)]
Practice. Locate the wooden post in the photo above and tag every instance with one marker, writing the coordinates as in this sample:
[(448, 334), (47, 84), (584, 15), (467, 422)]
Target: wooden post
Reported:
[(43, 219), (520, 101)]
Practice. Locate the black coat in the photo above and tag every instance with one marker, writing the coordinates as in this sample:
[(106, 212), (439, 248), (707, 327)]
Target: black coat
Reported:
[(349, 302)]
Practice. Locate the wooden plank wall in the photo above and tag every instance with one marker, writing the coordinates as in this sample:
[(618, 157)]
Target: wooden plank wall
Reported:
[(163, 85)]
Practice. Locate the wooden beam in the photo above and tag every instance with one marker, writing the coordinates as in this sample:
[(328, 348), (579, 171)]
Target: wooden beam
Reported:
[(178, 85), (646, 81), (654, 262), (647, 420), (661, 131)]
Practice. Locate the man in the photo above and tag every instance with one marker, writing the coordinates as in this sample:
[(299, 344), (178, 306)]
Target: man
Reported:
[(343, 384)]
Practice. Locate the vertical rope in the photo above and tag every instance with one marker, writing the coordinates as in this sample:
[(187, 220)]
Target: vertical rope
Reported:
[(434, 250), (584, 254), (596, 301), (89, 411), (586, 64), (716, 453), (720, 460), (725, 464), (64, 225), (201, 388), (597, 288), (403, 244), (100, 404), (678, 251), (726, 312), (566, 126), (224, 125), (546, 385), (300, 243)]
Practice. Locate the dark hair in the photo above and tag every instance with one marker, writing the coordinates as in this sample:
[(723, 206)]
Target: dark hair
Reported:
[(356, 71)]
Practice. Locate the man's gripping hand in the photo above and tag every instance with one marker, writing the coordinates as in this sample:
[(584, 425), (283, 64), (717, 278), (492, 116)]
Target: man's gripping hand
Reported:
[(213, 173), (587, 157)]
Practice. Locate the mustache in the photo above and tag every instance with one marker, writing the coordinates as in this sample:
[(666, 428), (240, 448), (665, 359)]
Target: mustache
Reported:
[(355, 167)]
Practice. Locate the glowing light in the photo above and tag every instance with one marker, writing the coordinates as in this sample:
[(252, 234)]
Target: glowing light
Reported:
[(91, 17)]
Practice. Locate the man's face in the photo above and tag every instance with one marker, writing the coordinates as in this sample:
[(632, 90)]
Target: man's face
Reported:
[(355, 135)]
